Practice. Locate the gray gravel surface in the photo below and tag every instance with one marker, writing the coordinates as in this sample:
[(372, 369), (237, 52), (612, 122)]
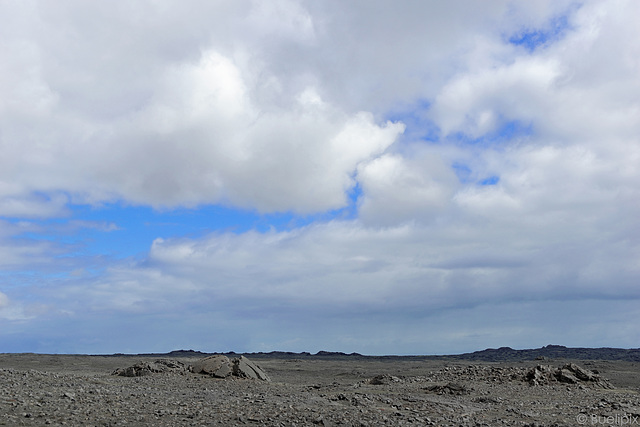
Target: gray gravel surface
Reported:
[(70, 390)]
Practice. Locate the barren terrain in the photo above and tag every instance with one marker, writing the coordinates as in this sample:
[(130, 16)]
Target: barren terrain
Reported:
[(325, 390)]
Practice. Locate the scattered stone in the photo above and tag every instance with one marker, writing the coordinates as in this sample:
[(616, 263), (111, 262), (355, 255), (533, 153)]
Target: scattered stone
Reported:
[(384, 379), (79, 390), (449, 388), (69, 395)]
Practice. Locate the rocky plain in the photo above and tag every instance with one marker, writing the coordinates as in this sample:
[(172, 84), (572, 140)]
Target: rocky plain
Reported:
[(551, 386)]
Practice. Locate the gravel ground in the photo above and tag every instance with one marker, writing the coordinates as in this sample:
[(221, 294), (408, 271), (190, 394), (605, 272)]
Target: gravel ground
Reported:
[(38, 390)]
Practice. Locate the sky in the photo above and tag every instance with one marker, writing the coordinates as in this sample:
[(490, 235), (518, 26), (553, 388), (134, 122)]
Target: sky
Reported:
[(413, 177)]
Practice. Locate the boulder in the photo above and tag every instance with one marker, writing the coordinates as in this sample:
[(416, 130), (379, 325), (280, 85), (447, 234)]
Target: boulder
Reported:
[(566, 376), (218, 366), (580, 373), (221, 366), (244, 368)]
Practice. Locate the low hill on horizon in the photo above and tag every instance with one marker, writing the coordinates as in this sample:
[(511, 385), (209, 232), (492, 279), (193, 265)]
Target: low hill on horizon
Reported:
[(502, 354)]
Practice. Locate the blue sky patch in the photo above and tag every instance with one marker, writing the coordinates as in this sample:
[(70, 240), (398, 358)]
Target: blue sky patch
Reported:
[(462, 171), (534, 38), (507, 132), (467, 176), (418, 126), (120, 231), (492, 180)]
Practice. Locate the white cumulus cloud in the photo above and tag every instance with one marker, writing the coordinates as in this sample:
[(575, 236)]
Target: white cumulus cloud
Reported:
[(487, 154)]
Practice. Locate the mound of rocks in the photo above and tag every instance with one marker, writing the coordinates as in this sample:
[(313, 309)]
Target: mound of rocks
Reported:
[(217, 366), (569, 374), (147, 368)]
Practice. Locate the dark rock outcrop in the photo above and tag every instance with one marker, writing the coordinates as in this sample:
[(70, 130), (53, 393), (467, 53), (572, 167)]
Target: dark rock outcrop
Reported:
[(147, 368), (568, 374), (216, 366)]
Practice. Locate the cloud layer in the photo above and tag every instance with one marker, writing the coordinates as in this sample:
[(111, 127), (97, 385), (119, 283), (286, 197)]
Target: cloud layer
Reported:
[(488, 156), (171, 131)]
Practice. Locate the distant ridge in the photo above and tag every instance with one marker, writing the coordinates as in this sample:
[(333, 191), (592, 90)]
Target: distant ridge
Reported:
[(502, 354)]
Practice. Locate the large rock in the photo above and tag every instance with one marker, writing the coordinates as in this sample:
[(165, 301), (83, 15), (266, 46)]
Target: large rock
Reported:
[(581, 373), (221, 366), (244, 368), (218, 366)]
